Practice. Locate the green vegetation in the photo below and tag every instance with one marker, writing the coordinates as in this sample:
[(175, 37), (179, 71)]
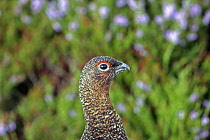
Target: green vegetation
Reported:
[(45, 44)]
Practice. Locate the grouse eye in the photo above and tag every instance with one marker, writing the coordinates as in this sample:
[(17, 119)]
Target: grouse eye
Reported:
[(103, 67)]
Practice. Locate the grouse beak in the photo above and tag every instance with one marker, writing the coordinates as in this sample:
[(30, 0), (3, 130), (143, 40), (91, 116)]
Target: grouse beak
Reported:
[(120, 66)]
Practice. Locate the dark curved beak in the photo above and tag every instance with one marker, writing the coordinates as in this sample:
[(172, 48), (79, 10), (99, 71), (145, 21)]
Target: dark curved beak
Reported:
[(120, 66)]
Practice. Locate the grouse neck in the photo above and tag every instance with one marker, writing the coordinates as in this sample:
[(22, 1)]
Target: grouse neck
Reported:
[(95, 100)]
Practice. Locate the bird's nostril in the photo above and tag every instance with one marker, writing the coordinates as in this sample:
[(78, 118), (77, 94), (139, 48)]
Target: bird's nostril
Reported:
[(117, 64)]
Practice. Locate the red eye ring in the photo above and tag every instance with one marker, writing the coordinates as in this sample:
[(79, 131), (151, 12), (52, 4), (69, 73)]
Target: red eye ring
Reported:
[(103, 66), (103, 63)]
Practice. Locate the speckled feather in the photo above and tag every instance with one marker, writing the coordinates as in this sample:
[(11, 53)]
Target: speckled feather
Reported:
[(102, 121)]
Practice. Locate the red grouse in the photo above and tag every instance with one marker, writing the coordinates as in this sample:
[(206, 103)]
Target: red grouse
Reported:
[(102, 121)]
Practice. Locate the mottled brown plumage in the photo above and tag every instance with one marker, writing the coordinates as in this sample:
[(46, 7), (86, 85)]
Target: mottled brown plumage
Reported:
[(102, 121)]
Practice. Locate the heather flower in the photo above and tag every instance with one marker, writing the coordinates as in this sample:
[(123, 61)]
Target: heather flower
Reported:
[(57, 10), (204, 120), (72, 113), (142, 19), (169, 10), (205, 103), (73, 25), (103, 11), (180, 15), (56, 27), (2, 129), (133, 5), (36, 5), (192, 37), (206, 18), (183, 24), (11, 126), (181, 18), (197, 137), (68, 36), (159, 19), (139, 33), (121, 3), (48, 98), (139, 101), (143, 86), (52, 12), (194, 28), (121, 107), (204, 134), (63, 6), (195, 10), (172, 36), (138, 47), (121, 20), (194, 115), (194, 97)]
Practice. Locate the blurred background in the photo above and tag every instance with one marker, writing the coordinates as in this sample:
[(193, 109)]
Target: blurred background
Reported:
[(44, 44)]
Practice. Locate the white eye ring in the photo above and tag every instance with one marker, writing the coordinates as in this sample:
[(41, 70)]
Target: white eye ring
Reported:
[(103, 67)]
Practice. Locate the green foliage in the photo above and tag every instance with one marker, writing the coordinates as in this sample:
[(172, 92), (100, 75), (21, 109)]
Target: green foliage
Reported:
[(165, 96)]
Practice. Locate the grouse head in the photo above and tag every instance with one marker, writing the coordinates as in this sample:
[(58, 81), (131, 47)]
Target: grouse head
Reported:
[(101, 70)]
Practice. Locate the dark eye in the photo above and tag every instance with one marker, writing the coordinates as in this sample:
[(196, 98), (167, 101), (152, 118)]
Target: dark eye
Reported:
[(103, 67)]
